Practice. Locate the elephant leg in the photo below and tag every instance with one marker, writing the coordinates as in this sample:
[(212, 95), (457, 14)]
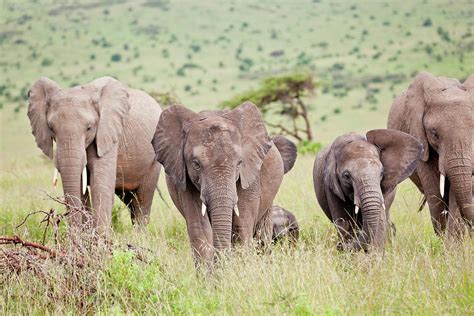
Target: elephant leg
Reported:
[(129, 199), (388, 200), (86, 202), (102, 185), (455, 223), (141, 203), (429, 178), (199, 227), (243, 226), (345, 224)]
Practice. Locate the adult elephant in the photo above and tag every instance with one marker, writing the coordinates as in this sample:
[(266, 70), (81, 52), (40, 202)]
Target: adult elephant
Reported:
[(223, 172), (103, 132), (438, 111), (355, 179)]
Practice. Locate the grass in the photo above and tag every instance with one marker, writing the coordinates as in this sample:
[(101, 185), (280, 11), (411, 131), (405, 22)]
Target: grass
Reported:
[(231, 46)]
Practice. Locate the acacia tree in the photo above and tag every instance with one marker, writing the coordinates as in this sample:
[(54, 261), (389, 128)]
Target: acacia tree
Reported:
[(280, 99)]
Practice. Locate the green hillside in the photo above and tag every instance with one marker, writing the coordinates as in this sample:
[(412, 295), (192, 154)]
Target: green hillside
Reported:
[(362, 54)]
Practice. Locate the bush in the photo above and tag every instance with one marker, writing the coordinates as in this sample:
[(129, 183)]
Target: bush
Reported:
[(427, 22), (116, 57), (308, 147), (46, 62)]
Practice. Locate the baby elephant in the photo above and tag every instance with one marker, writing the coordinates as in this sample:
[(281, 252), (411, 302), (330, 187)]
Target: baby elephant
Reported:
[(284, 225), (355, 179)]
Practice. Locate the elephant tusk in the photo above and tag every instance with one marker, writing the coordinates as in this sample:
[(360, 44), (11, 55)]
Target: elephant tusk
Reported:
[(203, 209), (383, 206), (442, 181), (55, 178), (236, 210), (84, 180), (356, 209)]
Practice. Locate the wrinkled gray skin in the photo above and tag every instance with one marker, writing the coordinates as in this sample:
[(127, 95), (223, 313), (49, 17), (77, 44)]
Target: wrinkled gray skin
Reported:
[(107, 127), (363, 171), (221, 159), (438, 111), (285, 225)]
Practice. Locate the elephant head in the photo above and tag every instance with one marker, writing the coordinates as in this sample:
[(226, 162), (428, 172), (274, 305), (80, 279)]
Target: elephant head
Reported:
[(75, 118), (362, 171), (213, 151), (440, 115)]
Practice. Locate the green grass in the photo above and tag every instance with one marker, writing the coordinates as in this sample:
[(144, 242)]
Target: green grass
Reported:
[(180, 44)]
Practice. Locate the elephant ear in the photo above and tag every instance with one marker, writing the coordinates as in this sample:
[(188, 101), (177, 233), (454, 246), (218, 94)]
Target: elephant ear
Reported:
[(254, 138), (330, 174), (288, 151), (400, 154), (38, 103), (469, 84), (113, 106), (418, 98), (168, 142)]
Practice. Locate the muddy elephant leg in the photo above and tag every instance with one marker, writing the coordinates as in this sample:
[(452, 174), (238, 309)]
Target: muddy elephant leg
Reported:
[(455, 224), (143, 198), (199, 228), (102, 185), (346, 225), (243, 226), (388, 200), (429, 179), (86, 201)]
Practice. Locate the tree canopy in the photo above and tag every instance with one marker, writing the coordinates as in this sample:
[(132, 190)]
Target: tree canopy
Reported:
[(280, 99)]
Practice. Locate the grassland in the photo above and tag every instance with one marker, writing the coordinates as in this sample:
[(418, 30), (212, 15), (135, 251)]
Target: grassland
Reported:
[(362, 54)]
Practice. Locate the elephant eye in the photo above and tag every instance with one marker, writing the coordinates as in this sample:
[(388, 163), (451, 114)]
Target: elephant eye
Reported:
[(196, 164), (435, 134), (346, 175), (239, 164)]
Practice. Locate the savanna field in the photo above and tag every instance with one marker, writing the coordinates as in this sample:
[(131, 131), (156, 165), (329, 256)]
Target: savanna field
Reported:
[(362, 54)]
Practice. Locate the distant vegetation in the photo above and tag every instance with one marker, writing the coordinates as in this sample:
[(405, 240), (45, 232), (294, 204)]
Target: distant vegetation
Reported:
[(281, 99)]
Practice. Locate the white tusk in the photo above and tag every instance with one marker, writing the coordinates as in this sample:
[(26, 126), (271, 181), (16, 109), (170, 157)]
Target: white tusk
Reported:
[(203, 209), (84, 180), (236, 210), (442, 181), (55, 178), (356, 209), (383, 206)]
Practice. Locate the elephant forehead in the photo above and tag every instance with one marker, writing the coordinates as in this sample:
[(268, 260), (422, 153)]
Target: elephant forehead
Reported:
[(70, 99), (357, 149)]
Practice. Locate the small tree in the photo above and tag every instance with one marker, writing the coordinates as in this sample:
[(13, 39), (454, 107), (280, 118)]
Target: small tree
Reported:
[(280, 99)]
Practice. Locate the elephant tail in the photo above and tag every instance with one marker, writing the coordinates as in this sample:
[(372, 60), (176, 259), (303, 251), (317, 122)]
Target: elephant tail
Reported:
[(422, 203), (287, 151), (161, 196)]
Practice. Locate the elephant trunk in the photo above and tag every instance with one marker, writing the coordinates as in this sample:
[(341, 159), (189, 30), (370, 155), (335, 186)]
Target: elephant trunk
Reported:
[(373, 216), (221, 220), (459, 173), (220, 197), (71, 163)]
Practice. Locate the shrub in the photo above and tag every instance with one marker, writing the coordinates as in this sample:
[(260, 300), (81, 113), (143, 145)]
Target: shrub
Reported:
[(46, 62), (116, 57), (427, 22)]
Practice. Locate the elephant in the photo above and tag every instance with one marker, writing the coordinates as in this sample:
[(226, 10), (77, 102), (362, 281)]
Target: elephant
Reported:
[(285, 225), (438, 111), (222, 171), (355, 180), (103, 132)]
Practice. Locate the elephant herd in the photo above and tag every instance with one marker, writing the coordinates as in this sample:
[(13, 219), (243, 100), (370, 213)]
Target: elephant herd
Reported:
[(223, 169)]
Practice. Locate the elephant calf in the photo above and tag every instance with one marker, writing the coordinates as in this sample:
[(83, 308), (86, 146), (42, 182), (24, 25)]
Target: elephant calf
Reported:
[(223, 172), (285, 225), (355, 179), (103, 132)]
